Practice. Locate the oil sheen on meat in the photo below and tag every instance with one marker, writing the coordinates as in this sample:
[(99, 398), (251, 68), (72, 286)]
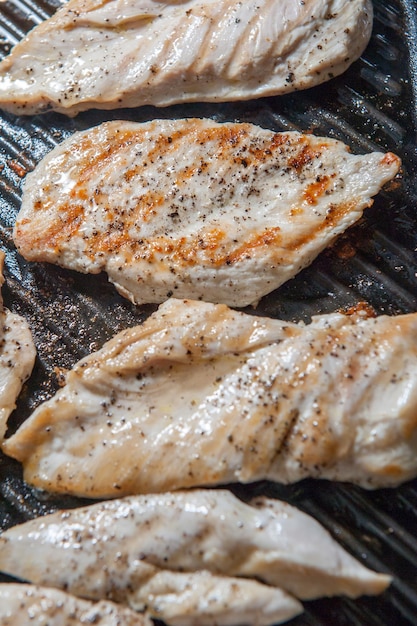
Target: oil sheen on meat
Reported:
[(126, 53), (193, 208), (111, 549), (201, 395)]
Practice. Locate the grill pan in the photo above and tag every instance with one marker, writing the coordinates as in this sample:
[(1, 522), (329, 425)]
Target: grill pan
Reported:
[(372, 106)]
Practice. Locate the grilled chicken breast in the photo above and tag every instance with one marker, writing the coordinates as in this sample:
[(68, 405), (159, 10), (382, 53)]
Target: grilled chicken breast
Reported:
[(21, 605), (110, 549), (219, 212), (17, 357), (124, 53), (201, 395)]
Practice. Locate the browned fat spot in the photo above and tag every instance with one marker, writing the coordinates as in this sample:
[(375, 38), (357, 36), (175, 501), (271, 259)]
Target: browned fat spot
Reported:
[(315, 190), (389, 158), (80, 193), (296, 211), (130, 174), (346, 250), (362, 308), (17, 168), (60, 374)]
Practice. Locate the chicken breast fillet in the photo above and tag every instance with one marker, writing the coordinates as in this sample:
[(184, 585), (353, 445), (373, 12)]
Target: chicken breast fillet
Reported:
[(219, 212), (21, 605), (110, 549), (201, 598), (124, 53), (202, 395), (17, 357), (179, 599)]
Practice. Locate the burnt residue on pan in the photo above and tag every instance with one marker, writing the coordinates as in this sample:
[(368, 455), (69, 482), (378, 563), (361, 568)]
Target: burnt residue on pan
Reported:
[(374, 265)]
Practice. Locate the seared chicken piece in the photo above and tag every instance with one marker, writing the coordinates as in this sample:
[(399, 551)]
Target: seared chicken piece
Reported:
[(110, 549), (124, 53), (17, 357), (201, 395), (21, 605), (219, 212)]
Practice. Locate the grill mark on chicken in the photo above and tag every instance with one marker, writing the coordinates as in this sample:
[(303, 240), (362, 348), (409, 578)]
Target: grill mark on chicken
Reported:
[(316, 189), (206, 203), (287, 427), (210, 247), (103, 155)]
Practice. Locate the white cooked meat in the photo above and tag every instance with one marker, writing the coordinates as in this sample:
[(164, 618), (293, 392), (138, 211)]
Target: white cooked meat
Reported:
[(125, 53), (21, 605), (109, 549), (17, 357), (200, 395), (193, 208), (201, 598), (179, 599)]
